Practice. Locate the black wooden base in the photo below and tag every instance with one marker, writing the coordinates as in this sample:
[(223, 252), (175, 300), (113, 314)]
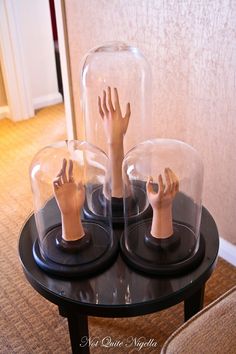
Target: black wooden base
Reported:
[(171, 256), (90, 255), (135, 208)]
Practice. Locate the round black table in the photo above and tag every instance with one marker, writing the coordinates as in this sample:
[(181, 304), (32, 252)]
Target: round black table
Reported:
[(118, 291)]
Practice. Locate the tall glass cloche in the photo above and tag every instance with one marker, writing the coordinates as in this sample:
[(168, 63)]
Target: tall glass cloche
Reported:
[(116, 101)]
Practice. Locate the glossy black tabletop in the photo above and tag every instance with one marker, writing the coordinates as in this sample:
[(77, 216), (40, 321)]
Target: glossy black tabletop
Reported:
[(119, 291)]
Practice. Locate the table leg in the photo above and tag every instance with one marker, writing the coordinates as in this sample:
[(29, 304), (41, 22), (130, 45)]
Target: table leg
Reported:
[(194, 303), (78, 329)]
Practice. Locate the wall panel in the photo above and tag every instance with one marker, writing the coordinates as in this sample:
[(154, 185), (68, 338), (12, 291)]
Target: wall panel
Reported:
[(191, 46), (3, 98)]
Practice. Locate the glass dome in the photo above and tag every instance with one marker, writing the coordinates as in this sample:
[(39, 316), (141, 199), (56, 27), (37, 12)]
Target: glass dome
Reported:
[(121, 66), (167, 176), (116, 100), (64, 177)]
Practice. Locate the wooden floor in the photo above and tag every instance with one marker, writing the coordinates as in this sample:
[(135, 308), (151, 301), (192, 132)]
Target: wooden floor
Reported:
[(29, 324)]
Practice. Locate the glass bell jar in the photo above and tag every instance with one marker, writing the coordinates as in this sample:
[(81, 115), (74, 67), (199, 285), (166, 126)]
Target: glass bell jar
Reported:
[(64, 179), (116, 101), (168, 241)]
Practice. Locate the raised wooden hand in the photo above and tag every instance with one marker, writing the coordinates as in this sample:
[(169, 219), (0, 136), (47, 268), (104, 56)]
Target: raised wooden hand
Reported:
[(115, 126), (70, 198), (161, 202)]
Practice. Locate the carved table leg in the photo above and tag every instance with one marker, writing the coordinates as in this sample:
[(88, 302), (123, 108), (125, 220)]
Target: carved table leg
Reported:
[(194, 303), (78, 329)]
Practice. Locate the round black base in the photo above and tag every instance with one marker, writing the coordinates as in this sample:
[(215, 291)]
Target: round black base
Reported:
[(136, 208), (171, 256), (70, 246), (90, 255)]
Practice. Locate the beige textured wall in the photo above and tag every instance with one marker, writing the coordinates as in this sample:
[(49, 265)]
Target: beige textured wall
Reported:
[(3, 98), (191, 48)]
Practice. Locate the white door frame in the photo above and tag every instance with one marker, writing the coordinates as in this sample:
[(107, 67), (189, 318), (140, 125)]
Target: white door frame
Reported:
[(65, 68), (20, 103), (12, 60)]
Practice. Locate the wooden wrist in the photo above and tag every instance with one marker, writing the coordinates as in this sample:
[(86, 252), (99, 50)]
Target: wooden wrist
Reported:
[(116, 156), (162, 224), (116, 146), (72, 228)]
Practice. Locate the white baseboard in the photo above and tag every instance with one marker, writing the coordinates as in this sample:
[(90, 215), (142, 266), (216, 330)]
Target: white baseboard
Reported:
[(48, 100), (227, 251), (39, 102), (4, 112)]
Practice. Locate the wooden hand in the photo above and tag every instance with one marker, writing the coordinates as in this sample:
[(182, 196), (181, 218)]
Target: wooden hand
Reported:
[(115, 124), (161, 202), (70, 198)]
